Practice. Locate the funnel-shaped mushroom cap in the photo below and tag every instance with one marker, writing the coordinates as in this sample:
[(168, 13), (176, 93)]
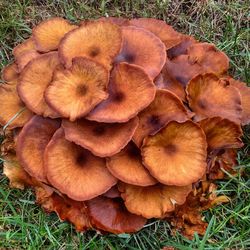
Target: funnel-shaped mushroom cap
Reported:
[(102, 139), (245, 99), (153, 201), (25, 58), (27, 45), (102, 42), (12, 108), (10, 72), (127, 166), (165, 32), (112, 216), (221, 133), (210, 96), (130, 91), (177, 154), (77, 90), (48, 34), (34, 80), (166, 107), (31, 144), (142, 48), (74, 170)]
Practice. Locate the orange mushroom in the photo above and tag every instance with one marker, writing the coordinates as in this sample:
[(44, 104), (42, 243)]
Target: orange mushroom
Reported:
[(26, 46), (13, 111), (142, 48), (79, 88), (25, 58), (127, 166), (166, 107), (111, 215), (34, 80), (210, 96), (130, 91), (48, 34), (74, 171), (102, 139), (10, 73), (31, 144), (221, 133), (177, 154), (102, 42), (153, 201)]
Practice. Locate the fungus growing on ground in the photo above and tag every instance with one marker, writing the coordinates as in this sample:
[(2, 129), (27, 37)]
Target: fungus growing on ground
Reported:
[(116, 121)]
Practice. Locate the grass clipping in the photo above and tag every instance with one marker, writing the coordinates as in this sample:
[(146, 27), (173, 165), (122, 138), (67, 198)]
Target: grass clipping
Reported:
[(113, 122)]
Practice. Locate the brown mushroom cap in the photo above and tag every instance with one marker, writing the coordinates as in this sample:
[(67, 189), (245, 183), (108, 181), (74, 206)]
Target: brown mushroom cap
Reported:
[(77, 90), (130, 91), (102, 42), (74, 171), (210, 96), (142, 48), (13, 111), (31, 144), (10, 73), (153, 201), (34, 80), (25, 58), (127, 166), (177, 154), (166, 107), (165, 32), (102, 139), (112, 216), (27, 45), (48, 34), (221, 133)]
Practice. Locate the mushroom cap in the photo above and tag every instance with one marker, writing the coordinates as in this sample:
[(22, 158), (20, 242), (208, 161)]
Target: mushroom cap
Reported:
[(10, 73), (130, 91), (102, 139), (48, 34), (210, 96), (142, 48), (25, 58), (166, 107), (127, 166), (25, 46), (177, 154), (34, 80), (165, 32), (31, 144), (221, 133), (102, 42), (112, 216), (12, 108), (245, 99), (74, 92), (120, 21), (74, 171), (153, 201)]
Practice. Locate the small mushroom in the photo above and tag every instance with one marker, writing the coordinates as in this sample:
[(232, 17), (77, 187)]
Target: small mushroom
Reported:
[(26, 46), (10, 73), (25, 58)]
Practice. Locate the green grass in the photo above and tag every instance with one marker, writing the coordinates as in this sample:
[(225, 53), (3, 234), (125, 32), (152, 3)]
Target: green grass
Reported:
[(23, 225)]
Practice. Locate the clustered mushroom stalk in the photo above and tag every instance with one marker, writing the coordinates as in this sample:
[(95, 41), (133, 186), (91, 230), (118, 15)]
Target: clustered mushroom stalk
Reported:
[(116, 121)]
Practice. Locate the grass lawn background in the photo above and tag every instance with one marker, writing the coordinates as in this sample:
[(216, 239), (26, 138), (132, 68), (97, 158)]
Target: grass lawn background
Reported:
[(23, 225)]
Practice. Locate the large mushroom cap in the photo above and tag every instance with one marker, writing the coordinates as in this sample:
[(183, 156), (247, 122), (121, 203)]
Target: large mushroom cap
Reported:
[(31, 144), (10, 73), (166, 107), (142, 48), (13, 110), (112, 216), (102, 42), (77, 90), (221, 133), (177, 154), (210, 96), (74, 170), (153, 201), (130, 91), (48, 34), (102, 139), (165, 32), (34, 80), (127, 166)]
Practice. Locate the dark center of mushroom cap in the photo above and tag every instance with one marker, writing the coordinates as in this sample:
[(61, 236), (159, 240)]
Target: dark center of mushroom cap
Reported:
[(82, 90), (170, 149), (94, 51), (118, 96), (99, 130), (81, 158), (202, 104)]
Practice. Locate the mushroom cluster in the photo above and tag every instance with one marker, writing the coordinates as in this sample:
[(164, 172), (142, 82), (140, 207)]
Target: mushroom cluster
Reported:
[(116, 121)]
